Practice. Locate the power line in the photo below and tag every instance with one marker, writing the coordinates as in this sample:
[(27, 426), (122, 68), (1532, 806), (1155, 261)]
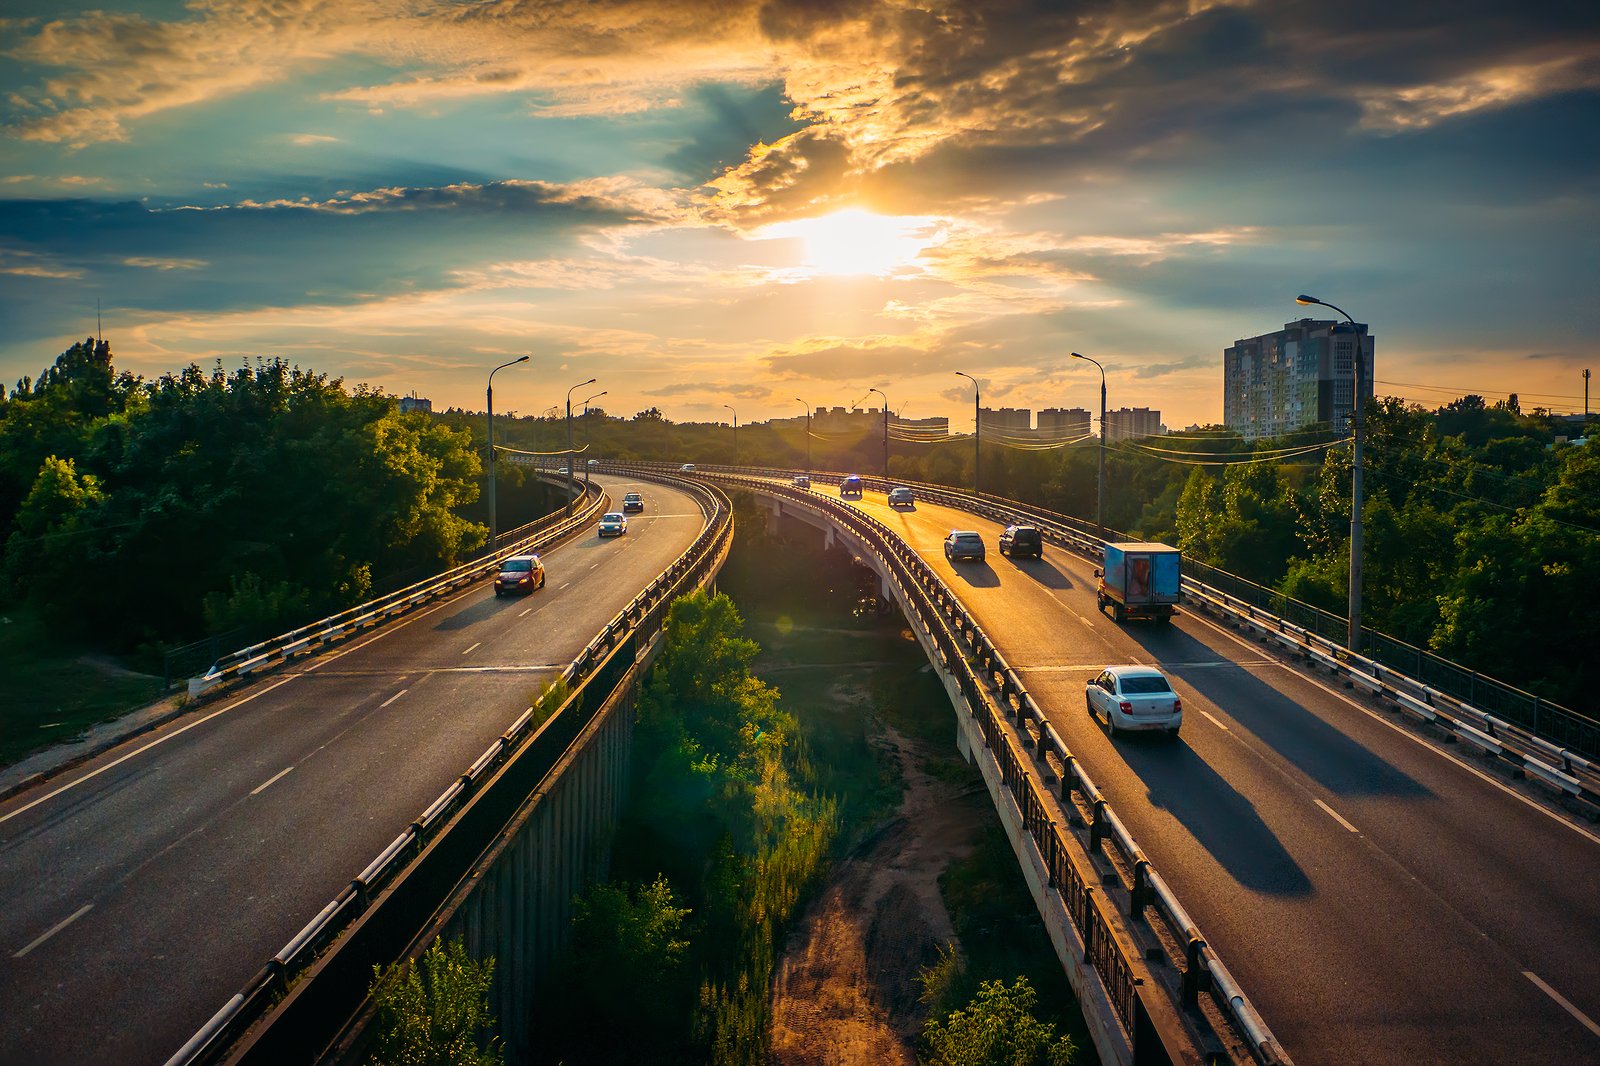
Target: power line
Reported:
[(1132, 446)]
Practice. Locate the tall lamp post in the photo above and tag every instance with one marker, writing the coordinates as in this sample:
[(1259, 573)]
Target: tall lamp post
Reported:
[(1100, 476), (729, 406), (494, 528), (977, 433), (596, 396), (807, 406), (1357, 408), (885, 400), (570, 457)]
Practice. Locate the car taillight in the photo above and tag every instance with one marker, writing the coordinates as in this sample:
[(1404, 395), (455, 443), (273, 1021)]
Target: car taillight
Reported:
[(1127, 708), (1177, 705)]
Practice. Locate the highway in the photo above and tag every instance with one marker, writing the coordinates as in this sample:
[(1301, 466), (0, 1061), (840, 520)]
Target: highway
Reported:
[(1380, 898), (145, 887)]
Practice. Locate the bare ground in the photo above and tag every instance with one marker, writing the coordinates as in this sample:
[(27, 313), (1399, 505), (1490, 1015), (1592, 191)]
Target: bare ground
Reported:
[(847, 990)]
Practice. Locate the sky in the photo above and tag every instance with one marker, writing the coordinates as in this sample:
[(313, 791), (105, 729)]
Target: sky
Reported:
[(770, 203)]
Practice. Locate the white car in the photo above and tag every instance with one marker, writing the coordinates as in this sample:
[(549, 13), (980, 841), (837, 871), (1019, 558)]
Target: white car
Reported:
[(613, 524), (1134, 698), (686, 468)]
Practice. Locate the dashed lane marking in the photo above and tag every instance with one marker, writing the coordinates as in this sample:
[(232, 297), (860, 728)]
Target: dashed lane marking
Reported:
[(391, 699), (1214, 721), (269, 782), (87, 907), (1334, 815), (1588, 1022), (474, 648)]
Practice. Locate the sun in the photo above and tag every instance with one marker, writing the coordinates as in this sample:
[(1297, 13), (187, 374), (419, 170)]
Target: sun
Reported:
[(858, 242)]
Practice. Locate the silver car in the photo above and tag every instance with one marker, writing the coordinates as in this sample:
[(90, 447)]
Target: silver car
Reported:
[(1134, 698), (613, 524)]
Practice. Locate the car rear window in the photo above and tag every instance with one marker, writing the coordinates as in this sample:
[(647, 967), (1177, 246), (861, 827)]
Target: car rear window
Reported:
[(516, 566), (1026, 533), (1144, 685), (968, 538)]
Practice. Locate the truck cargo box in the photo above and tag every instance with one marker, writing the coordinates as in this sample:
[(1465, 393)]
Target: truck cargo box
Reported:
[(1140, 579)]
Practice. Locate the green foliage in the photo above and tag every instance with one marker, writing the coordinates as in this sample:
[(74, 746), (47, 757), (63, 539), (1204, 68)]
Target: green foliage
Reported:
[(435, 1012), (997, 1028), (262, 497)]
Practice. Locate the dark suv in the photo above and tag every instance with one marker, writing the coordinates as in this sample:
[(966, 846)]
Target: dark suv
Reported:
[(1024, 541)]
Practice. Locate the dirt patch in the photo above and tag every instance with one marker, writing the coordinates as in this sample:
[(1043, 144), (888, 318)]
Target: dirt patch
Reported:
[(847, 989)]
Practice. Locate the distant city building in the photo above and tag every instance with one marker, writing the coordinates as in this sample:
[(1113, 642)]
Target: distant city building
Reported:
[(415, 403), (1126, 422), (1301, 375), (923, 427), (1006, 417), (845, 419), (1064, 422)]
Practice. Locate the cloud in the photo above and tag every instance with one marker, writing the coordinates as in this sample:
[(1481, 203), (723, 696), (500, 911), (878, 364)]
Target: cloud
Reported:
[(26, 264), (1188, 362), (156, 263), (1420, 106), (307, 140)]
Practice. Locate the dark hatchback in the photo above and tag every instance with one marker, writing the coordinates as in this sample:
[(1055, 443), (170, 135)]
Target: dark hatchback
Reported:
[(1024, 542), (963, 544)]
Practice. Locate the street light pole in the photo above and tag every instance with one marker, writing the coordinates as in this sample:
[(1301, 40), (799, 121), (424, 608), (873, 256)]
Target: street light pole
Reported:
[(729, 406), (1357, 408), (570, 457), (977, 434), (1100, 476), (807, 406), (494, 529), (596, 396), (885, 431)]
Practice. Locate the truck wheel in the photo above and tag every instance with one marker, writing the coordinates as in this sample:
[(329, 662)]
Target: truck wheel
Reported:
[(1117, 613)]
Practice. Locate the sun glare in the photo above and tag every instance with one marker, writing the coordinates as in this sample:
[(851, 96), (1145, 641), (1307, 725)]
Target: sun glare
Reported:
[(857, 242)]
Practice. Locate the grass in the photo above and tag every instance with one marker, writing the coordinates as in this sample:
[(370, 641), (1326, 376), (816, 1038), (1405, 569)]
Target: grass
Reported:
[(50, 694)]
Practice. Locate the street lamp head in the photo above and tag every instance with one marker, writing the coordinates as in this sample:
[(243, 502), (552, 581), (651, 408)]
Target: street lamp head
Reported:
[(1303, 299), (1075, 355), (524, 359)]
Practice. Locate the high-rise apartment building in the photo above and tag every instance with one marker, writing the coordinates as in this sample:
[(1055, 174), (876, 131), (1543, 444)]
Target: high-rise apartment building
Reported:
[(1006, 417), (1064, 422), (1126, 422), (1302, 375)]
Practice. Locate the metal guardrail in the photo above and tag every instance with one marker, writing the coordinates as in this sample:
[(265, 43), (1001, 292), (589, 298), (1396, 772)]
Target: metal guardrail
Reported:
[(1031, 760), (312, 637), (595, 673)]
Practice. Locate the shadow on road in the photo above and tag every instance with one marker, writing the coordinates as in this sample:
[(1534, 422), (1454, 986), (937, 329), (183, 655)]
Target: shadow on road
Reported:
[(1222, 821), (1045, 573), (1342, 765), (978, 575), (481, 611)]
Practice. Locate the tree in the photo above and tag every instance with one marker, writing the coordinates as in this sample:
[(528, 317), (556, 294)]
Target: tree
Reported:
[(997, 1028), (435, 1012)]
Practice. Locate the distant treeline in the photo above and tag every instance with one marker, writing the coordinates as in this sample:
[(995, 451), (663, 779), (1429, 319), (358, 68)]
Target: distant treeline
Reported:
[(1482, 523), (140, 512)]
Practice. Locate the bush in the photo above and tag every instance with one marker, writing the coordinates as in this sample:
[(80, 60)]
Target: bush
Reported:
[(997, 1028), (435, 1012)]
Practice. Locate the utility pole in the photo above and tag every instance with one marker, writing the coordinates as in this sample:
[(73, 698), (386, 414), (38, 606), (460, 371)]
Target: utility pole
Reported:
[(1357, 411), (977, 434), (1586, 397), (494, 527), (885, 400)]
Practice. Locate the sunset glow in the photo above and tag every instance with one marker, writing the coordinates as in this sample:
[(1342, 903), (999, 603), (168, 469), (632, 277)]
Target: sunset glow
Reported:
[(857, 242)]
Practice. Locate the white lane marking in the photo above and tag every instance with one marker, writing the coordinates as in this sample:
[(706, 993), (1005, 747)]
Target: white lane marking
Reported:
[(1215, 722), (1421, 743), (1091, 668), (1334, 815), (391, 699), (474, 648), (564, 586), (527, 610), (142, 750), (1084, 620), (87, 907), (269, 782), (1587, 1021)]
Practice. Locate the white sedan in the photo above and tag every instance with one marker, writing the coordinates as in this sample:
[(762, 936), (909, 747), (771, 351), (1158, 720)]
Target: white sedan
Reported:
[(1134, 698)]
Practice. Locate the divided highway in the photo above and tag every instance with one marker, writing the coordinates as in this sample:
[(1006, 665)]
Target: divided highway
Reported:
[(145, 887), (1380, 900)]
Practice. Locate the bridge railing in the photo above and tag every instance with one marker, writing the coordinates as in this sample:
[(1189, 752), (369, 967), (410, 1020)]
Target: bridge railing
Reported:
[(298, 1034), (312, 637), (1043, 777)]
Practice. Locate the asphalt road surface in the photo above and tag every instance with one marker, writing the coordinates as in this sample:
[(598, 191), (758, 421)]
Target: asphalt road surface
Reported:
[(144, 888), (1382, 899)]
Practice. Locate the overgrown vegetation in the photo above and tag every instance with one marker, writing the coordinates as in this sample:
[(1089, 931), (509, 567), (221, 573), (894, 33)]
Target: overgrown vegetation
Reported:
[(997, 1028), (435, 1012), (725, 818)]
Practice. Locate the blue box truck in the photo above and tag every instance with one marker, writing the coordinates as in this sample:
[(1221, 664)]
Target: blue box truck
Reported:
[(1139, 579)]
